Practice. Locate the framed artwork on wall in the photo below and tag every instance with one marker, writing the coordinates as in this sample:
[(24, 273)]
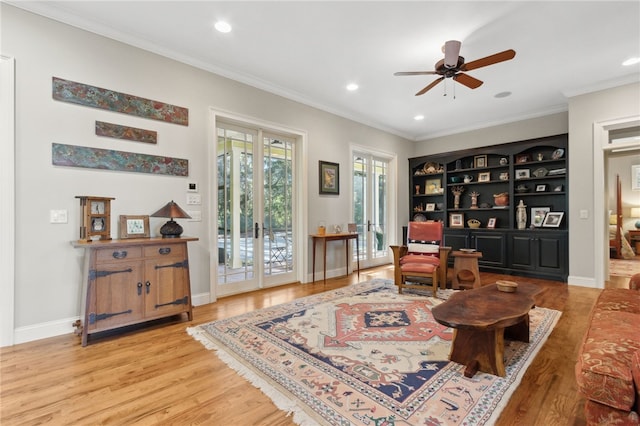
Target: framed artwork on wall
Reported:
[(329, 177), (635, 177)]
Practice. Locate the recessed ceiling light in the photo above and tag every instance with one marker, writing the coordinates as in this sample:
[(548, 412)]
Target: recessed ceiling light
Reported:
[(223, 27), (502, 94), (418, 117), (352, 86), (631, 61)]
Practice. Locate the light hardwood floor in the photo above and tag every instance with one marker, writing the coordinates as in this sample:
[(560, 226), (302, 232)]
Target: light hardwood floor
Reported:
[(160, 375)]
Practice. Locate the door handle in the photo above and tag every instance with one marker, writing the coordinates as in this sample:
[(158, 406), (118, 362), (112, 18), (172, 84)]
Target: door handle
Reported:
[(256, 232)]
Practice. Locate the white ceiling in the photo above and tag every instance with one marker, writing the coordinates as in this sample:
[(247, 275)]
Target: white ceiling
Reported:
[(309, 51)]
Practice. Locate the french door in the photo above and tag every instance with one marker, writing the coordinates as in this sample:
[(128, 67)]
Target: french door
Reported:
[(371, 180), (255, 209)]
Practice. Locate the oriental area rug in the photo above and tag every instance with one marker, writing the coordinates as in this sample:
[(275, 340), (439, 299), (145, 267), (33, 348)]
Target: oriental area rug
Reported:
[(624, 268), (366, 355)]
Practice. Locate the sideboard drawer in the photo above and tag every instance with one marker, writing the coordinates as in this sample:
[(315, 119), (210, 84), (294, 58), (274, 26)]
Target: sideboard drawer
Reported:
[(117, 254), (165, 250)]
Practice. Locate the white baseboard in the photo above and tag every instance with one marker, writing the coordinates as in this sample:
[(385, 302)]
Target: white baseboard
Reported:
[(584, 282), (44, 330)]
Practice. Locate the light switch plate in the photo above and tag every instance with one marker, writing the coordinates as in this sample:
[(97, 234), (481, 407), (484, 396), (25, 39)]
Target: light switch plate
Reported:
[(194, 199), (58, 216)]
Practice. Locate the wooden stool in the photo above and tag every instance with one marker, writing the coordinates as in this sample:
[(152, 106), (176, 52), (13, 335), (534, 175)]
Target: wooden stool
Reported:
[(465, 269)]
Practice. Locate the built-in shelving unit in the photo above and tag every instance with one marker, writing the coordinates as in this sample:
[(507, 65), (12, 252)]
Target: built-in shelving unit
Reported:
[(490, 183)]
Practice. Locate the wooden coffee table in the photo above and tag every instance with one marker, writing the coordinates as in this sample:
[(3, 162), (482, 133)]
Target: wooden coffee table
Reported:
[(481, 318)]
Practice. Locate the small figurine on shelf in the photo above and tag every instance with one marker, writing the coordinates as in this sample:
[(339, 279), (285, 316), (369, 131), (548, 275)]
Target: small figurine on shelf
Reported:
[(417, 189), (457, 191), (474, 199)]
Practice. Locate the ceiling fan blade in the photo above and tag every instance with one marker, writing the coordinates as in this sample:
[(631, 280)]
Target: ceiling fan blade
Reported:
[(489, 60), (414, 73), (467, 80), (429, 87)]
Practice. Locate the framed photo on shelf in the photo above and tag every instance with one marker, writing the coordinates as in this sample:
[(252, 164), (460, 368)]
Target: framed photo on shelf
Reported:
[(456, 220), (432, 186), (134, 227), (537, 215), (430, 207), (484, 177), (491, 224), (558, 188), (523, 158), (480, 161), (541, 187), (329, 177), (553, 219), (522, 174)]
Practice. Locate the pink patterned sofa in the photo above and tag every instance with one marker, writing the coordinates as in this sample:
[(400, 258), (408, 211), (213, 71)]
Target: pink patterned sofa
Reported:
[(608, 366)]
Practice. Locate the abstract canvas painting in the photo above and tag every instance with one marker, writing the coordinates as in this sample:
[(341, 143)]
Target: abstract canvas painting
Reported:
[(106, 159), (110, 100)]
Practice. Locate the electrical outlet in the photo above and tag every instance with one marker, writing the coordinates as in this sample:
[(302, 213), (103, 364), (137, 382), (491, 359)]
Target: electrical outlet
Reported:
[(194, 199)]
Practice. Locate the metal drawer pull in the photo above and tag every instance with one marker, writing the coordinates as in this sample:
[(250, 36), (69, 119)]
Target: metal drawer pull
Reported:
[(164, 250), (119, 254)]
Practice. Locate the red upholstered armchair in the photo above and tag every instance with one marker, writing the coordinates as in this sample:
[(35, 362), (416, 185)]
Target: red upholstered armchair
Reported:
[(422, 257)]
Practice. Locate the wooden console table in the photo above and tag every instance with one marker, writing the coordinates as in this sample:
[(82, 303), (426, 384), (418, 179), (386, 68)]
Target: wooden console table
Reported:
[(130, 281), (344, 236)]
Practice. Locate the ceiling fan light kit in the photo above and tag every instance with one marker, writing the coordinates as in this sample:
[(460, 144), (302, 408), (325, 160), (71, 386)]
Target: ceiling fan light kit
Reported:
[(453, 65)]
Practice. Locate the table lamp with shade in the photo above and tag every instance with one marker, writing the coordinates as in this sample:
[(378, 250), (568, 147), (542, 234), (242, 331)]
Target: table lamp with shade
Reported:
[(635, 212), (171, 229)]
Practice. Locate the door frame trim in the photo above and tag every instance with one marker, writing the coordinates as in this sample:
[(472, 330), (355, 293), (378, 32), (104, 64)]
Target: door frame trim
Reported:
[(601, 147), (392, 198), (301, 209)]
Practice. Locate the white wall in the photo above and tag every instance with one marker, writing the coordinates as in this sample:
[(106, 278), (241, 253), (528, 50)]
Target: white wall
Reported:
[(549, 125), (585, 111), (47, 268)]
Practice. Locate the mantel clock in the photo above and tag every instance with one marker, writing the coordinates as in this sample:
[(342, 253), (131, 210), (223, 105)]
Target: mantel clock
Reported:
[(95, 214)]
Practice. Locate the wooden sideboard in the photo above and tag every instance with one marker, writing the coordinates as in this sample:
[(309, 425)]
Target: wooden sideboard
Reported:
[(130, 281)]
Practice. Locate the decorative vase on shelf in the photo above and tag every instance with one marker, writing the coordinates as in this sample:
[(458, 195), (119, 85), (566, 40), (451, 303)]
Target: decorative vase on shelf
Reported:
[(521, 215)]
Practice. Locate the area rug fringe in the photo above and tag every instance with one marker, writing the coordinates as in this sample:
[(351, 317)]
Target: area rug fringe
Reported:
[(284, 403)]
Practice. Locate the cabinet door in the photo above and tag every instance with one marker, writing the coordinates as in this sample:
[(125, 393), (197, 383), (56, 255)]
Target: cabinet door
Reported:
[(522, 251), (493, 247), (117, 298), (166, 281), (551, 253), (456, 239)]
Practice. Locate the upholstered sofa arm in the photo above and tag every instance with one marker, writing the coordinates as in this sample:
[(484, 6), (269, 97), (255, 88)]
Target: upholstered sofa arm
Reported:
[(634, 282)]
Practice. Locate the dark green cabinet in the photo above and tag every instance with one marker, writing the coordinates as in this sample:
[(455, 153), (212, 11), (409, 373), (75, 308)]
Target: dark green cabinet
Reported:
[(486, 185), (544, 253)]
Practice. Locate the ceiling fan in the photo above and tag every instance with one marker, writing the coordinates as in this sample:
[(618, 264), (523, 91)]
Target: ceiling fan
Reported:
[(453, 65)]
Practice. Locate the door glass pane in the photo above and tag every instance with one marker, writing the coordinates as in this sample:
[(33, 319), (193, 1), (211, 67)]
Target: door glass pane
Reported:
[(380, 168), (360, 214), (278, 205), (235, 206)]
